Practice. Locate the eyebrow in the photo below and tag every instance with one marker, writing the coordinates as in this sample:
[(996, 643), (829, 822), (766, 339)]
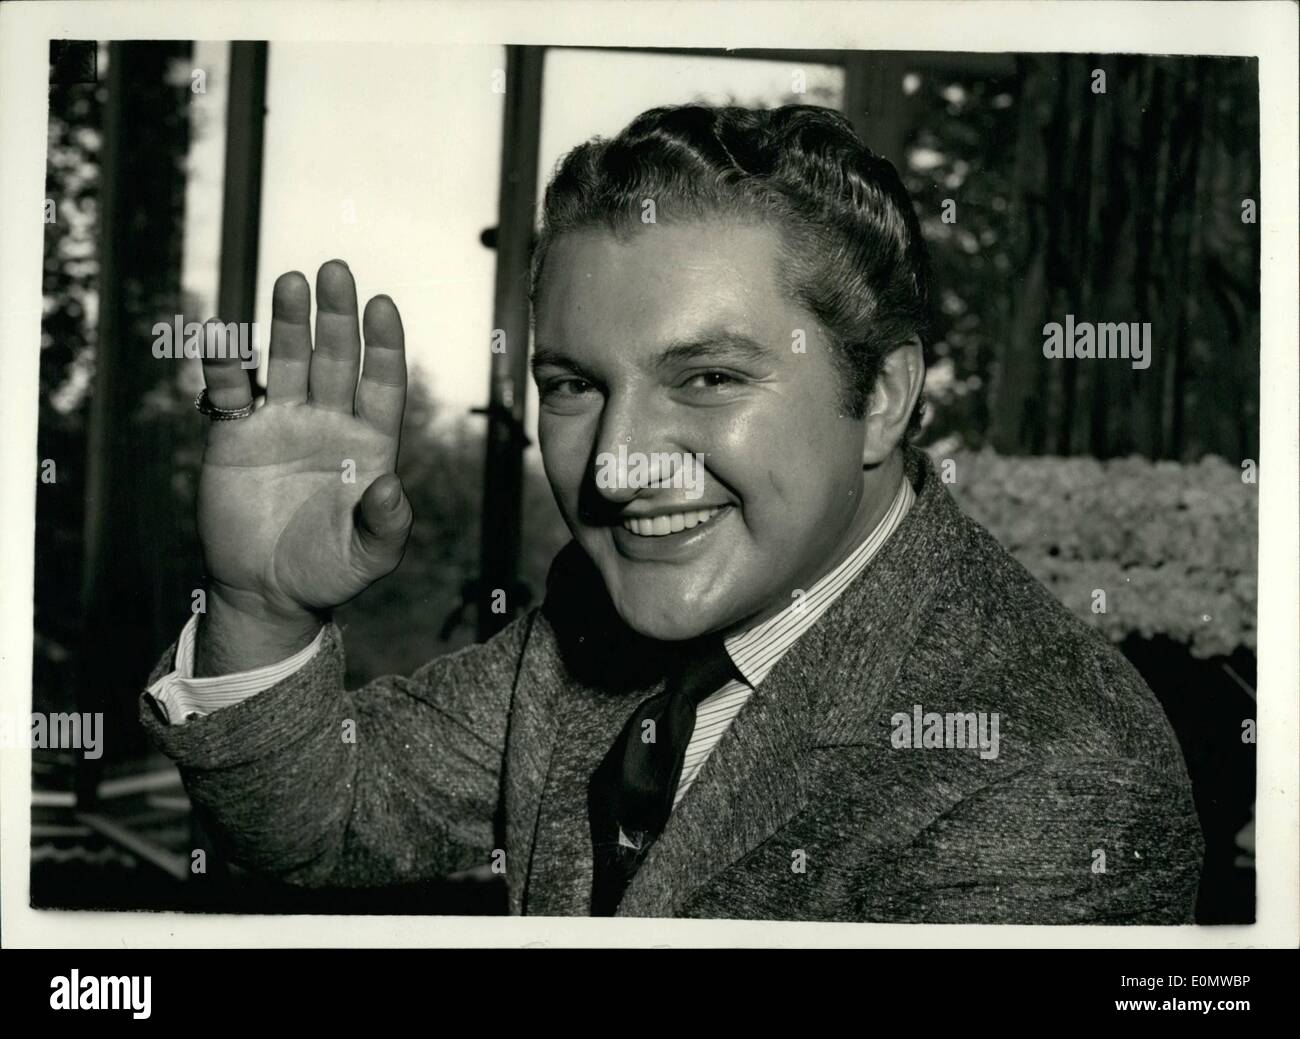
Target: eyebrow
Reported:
[(704, 347), (712, 345), (544, 356)]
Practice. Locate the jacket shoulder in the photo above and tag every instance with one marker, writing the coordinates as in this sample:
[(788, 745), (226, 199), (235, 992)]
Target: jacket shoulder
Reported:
[(995, 634)]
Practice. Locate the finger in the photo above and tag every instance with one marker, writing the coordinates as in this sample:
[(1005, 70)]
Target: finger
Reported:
[(224, 373), (381, 395), (383, 523), (337, 358), (286, 375)]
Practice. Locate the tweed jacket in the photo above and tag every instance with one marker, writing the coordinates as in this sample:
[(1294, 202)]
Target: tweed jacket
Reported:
[(812, 806)]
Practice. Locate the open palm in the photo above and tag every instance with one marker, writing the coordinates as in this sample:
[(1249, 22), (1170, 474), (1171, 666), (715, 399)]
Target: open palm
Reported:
[(299, 506)]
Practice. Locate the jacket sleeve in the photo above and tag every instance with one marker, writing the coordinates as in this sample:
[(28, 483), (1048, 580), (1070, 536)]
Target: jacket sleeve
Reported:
[(395, 782), (1073, 842)]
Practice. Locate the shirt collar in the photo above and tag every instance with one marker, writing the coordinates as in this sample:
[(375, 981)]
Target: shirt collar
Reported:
[(757, 650)]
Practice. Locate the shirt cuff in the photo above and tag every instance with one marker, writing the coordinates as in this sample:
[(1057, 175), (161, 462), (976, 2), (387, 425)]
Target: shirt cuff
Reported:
[(182, 696)]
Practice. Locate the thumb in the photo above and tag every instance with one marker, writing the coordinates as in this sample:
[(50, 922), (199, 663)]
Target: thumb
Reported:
[(383, 523)]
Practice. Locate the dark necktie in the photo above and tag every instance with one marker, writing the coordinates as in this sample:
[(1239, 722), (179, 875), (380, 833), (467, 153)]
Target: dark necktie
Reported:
[(631, 792)]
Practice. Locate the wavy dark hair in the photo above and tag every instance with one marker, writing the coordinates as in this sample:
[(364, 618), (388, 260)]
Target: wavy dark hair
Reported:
[(852, 243)]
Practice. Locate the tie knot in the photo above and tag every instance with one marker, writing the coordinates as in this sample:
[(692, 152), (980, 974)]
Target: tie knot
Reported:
[(699, 668)]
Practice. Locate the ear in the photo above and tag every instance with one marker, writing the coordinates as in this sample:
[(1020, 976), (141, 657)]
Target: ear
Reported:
[(902, 378)]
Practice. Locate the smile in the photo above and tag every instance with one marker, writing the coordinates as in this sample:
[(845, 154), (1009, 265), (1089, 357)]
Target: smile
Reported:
[(669, 522)]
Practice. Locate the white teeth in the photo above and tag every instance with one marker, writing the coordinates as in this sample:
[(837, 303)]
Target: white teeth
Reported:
[(669, 523)]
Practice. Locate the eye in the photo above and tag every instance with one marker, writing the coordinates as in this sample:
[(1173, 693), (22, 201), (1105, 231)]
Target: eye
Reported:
[(568, 386), (711, 380)]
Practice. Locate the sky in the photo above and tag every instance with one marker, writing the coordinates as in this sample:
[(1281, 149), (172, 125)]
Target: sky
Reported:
[(389, 157)]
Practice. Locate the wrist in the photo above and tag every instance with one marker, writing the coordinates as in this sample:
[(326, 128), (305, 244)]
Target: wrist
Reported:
[(241, 633)]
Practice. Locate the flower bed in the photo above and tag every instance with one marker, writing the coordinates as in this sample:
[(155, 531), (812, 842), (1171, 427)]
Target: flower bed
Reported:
[(1173, 546)]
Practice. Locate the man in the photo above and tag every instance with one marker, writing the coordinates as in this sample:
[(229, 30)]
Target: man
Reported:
[(777, 674)]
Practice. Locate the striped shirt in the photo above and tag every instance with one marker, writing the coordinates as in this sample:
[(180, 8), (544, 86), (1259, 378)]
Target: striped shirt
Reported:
[(182, 696), (755, 652)]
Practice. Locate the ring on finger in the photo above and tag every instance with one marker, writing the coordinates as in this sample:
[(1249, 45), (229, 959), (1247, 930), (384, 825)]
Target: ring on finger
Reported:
[(205, 407)]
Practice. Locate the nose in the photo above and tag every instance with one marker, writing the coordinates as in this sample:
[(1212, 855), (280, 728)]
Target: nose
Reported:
[(634, 436)]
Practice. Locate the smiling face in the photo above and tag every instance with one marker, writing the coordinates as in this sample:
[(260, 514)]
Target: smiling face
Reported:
[(677, 341)]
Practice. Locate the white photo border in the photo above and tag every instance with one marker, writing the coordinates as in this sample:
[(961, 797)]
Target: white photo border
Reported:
[(1267, 30)]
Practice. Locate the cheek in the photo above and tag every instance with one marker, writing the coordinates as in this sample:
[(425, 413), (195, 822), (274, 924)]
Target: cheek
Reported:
[(565, 444), (785, 459)]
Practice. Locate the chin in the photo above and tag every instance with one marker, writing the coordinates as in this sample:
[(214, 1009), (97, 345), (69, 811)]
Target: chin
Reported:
[(656, 625), (666, 616), (670, 601)]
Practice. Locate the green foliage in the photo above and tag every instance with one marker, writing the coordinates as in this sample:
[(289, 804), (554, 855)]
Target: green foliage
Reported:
[(1174, 547), (70, 268), (963, 150), (1118, 207)]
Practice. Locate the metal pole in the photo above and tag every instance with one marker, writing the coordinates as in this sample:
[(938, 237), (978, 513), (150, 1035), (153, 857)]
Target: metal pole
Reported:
[(503, 469), (874, 102), (241, 206)]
